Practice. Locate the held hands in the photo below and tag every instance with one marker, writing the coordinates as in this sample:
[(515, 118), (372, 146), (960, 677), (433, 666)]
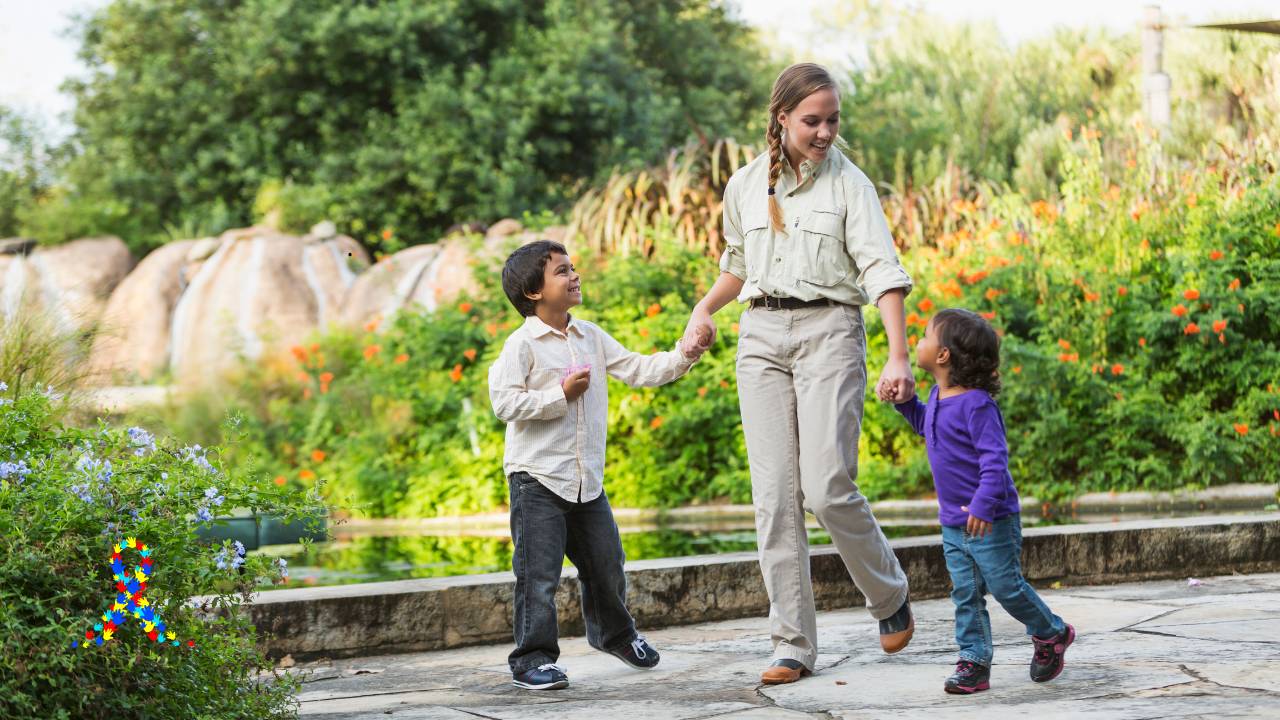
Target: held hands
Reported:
[(576, 382), (699, 335), (976, 527), (694, 346), (897, 384)]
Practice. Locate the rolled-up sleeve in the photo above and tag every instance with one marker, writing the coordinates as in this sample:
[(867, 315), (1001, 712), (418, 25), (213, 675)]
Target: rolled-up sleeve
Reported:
[(733, 260), (870, 244)]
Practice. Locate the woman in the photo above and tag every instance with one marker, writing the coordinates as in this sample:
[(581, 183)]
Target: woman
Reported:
[(806, 247)]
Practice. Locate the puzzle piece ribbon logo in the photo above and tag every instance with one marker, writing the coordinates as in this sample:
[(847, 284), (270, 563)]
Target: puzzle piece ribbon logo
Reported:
[(129, 601)]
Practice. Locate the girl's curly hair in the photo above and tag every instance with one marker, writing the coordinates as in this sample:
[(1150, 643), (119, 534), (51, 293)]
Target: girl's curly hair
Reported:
[(974, 346)]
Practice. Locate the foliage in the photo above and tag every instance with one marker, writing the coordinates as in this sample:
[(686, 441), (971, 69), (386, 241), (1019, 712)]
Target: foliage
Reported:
[(395, 114), (66, 497)]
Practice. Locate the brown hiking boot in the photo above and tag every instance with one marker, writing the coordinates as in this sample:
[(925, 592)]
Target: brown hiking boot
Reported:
[(784, 671), (897, 629)]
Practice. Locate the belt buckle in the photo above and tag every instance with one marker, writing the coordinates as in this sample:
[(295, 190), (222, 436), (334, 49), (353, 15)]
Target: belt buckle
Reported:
[(771, 307)]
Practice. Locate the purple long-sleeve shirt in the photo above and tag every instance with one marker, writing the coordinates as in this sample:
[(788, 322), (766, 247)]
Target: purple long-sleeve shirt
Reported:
[(964, 436)]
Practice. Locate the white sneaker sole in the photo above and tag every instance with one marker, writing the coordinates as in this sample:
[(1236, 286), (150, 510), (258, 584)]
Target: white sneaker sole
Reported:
[(546, 686)]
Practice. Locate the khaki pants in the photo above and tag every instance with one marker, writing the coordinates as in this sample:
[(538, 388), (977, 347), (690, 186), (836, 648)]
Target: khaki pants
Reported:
[(801, 380)]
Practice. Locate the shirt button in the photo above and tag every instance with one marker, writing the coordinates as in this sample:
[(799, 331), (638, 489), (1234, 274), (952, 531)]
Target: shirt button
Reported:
[(777, 259)]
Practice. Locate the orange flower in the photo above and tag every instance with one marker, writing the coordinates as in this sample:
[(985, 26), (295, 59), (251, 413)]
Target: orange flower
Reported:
[(324, 388), (326, 377), (724, 384), (1277, 229), (492, 329), (279, 480), (988, 315), (464, 308), (656, 422), (306, 393), (1117, 369), (1222, 338), (456, 373), (702, 392), (402, 358), (317, 456), (1191, 294), (644, 332), (1095, 369), (1191, 200), (912, 319), (387, 234), (372, 325), (306, 474), (371, 350), (1122, 291), (1145, 244), (470, 354), (1219, 325), (1090, 296), (925, 305), (734, 327), (1240, 307), (653, 310), (1064, 344), (1235, 285), (1017, 369), (1142, 342), (1191, 329), (977, 277), (1179, 310), (299, 352), (993, 293), (1215, 255), (1068, 357), (302, 376), (911, 341), (1241, 428)]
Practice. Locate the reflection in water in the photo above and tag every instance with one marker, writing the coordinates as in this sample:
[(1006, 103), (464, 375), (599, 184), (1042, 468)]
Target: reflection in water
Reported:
[(400, 557)]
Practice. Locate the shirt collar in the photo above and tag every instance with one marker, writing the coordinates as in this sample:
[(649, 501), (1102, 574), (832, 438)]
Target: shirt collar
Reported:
[(808, 169), (537, 328)]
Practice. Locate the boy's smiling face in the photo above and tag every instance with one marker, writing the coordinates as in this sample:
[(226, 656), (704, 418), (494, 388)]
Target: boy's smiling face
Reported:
[(561, 285)]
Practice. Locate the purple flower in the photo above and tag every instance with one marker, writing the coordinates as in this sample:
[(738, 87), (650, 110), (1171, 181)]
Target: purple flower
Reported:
[(143, 442), (203, 514), (196, 455), (17, 469), (82, 491)]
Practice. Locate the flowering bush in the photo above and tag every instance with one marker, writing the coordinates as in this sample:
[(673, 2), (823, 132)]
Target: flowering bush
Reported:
[(84, 637)]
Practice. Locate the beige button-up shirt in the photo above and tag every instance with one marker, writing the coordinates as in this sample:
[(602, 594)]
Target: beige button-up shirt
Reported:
[(562, 443), (837, 244)]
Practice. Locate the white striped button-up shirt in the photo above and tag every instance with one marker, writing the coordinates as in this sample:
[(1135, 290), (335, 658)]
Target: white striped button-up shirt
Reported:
[(562, 443)]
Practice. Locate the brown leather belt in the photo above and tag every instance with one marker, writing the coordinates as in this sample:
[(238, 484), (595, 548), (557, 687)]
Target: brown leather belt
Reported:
[(769, 302)]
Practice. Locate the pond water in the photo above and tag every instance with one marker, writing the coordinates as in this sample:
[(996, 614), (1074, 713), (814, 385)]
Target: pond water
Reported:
[(372, 558)]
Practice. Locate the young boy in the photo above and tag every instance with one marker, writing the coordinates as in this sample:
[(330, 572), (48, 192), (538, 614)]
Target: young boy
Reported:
[(549, 386)]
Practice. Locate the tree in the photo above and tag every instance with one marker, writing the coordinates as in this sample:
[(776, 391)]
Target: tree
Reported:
[(395, 114)]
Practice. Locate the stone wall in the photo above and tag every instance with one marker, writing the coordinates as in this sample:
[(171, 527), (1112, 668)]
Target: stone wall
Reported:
[(438, 613)]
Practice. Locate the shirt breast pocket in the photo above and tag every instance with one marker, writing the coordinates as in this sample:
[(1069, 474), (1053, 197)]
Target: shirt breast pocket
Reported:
[(755, 234), (820, 244)]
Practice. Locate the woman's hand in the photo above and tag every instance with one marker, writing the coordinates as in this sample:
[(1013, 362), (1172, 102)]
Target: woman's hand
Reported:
[(897, 384), (700, 332)]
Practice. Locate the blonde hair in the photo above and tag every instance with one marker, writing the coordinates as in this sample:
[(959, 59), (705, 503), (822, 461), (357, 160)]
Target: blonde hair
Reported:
[(792, 86)]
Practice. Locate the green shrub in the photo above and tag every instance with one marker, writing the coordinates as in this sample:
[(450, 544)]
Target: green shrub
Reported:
[(67, 496)]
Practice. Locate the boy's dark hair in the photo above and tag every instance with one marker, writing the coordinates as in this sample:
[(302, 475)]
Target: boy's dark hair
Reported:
[(523, 272), (974, 346)]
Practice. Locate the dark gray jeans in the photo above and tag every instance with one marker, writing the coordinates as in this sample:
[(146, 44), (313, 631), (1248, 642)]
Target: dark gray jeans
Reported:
[(545, 528)]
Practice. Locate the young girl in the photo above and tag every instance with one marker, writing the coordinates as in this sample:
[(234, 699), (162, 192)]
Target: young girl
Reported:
[(977, 503)]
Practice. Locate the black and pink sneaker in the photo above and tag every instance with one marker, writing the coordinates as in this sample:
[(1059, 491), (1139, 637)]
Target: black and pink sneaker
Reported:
[(1048, 660), (969, 678)]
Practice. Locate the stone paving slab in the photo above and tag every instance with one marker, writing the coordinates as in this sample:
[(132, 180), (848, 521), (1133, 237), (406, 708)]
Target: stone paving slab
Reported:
[(1144, 650)]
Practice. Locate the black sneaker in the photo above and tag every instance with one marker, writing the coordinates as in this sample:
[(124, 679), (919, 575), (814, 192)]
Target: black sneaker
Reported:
[(543, 677), (969, 678), (639, 654), (1048, 659)]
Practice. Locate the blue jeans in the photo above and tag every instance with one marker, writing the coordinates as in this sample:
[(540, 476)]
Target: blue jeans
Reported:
[(544, 529), (993, 562)]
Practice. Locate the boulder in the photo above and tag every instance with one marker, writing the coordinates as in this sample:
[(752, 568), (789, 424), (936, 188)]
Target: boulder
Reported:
[(133, 340), (69, 282), (260, 290)]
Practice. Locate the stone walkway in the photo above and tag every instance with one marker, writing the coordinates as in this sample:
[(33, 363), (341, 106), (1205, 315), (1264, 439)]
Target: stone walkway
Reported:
[(1145, 650)]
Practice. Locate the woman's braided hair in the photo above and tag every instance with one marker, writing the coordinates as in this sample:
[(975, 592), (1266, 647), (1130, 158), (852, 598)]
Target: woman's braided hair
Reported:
[(792, 86)]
